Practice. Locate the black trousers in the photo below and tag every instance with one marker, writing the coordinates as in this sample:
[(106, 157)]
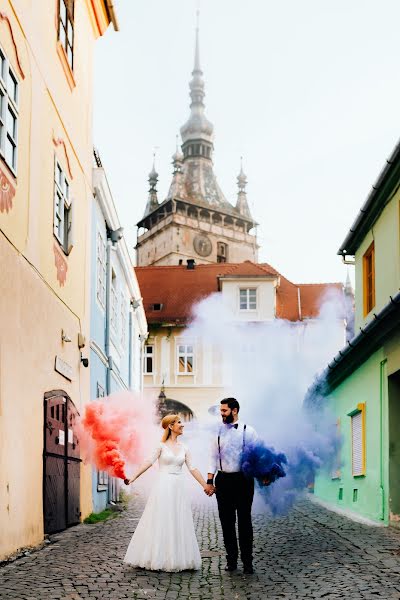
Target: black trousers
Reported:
[(235, 493)]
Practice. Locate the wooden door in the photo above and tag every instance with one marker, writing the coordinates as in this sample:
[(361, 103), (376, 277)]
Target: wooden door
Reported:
[(61, 464)]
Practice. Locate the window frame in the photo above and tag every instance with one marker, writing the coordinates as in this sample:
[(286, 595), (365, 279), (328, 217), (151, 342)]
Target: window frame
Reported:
[(369, 297), (123, 320), (248, 302), (8, 104), (65, 43), (114, 302), (222, 257), (185, 354), (360, 410), (101, 269), (146, 356), (62, 191)]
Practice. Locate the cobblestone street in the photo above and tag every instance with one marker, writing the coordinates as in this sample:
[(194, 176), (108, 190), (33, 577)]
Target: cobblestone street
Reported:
[(312, 553)]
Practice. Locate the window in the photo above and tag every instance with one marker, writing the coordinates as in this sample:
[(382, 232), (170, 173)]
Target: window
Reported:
[(66, 28), (248, 299), (185, 359), (123, 320), (114, 302), (62, 225), (100, 391), (358, 440), (101, 269), (369, 279), (148, 365), (8, 113), (222, 252)]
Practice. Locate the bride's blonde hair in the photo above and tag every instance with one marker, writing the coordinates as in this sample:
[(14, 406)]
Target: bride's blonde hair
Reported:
[(165, 423)]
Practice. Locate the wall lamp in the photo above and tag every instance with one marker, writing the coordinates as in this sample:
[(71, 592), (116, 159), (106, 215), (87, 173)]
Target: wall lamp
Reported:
[(116, 234), (136, 303), (84, 361)]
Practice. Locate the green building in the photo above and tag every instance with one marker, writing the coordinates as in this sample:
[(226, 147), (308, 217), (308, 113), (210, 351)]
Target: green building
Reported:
[(361, 386)]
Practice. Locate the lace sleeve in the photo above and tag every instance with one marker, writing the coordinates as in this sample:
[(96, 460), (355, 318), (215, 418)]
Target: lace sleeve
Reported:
[(155, 454), (188, 460)]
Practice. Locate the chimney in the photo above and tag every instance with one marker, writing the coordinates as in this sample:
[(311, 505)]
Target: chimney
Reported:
[(191, 263)]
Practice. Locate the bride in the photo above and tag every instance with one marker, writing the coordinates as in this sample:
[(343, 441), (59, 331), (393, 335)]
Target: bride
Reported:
[(164, 539)]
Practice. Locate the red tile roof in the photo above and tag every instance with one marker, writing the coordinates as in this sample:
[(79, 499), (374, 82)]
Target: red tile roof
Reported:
[(178, 289)]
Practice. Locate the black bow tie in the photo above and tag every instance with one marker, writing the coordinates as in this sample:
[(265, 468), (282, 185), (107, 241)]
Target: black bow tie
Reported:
[(236, 425)]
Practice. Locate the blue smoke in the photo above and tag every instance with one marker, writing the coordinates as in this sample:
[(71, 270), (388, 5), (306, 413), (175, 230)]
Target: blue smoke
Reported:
[(263, 463)]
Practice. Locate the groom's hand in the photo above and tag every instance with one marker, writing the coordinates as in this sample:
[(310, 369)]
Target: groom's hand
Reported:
[(209, 489)]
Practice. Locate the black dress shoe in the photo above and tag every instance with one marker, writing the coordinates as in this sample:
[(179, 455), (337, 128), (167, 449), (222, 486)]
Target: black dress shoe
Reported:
[(248, 570), (231, 567)]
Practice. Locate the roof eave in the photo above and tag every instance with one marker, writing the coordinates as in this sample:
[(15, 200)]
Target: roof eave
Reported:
[(376, 200), (363, 345)]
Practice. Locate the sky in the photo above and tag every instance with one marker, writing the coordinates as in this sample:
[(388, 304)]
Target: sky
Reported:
[(308, 92)]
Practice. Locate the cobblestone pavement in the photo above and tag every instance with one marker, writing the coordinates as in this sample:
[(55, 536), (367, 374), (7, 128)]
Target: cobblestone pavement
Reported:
[(312, 553)]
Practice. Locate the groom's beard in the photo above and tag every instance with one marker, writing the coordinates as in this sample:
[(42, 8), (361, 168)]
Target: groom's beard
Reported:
[(228, 419)]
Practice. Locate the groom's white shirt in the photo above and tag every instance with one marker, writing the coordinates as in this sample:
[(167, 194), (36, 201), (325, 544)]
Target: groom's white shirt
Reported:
[(231, 445)]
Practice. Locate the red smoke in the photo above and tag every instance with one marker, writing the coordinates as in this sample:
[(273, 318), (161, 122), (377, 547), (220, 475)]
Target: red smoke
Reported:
[(113, 431)]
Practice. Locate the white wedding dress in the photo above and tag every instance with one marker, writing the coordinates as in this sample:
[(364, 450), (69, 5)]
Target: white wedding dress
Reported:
[(164, 539)]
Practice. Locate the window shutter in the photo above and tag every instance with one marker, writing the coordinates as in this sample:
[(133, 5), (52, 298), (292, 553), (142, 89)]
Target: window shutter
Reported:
[(357, 444)]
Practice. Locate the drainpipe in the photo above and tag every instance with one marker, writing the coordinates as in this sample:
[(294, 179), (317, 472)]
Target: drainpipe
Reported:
[(142, 339), (108, 317), (382, 387), (130, 347)]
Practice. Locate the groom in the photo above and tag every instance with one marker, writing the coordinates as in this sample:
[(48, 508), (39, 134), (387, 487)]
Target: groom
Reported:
[(233, 489)]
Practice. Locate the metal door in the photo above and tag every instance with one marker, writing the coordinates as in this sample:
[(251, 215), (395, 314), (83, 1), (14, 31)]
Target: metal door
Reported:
[(61, 463)]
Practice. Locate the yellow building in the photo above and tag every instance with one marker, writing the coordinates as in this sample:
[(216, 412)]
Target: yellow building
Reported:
[(46, 64), (361, 385), (192, 372)]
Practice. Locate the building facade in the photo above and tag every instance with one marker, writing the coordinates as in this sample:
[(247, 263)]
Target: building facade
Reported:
[(190, 374), (46, 57), (118, 323), (195, 221), (361, 386)]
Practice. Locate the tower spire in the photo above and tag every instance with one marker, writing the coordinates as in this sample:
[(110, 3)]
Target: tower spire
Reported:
[(197, 127), (242, 205), (152, 202)]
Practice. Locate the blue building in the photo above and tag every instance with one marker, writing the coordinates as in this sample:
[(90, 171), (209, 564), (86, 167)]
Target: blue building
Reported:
[(118, 323)]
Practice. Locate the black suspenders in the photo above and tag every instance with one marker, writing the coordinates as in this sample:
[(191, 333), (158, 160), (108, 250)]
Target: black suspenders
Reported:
[(219, 445)]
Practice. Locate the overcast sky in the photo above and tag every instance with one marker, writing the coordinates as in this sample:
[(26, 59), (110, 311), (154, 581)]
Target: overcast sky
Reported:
[(308, 91)]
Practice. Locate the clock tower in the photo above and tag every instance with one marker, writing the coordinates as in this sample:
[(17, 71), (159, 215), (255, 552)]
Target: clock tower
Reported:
[(195, 221)]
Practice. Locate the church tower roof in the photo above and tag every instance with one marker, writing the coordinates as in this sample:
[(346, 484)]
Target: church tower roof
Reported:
[(197, 127), (195, 221)]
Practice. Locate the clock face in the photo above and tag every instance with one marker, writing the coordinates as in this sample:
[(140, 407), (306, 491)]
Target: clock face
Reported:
[(202, 244)]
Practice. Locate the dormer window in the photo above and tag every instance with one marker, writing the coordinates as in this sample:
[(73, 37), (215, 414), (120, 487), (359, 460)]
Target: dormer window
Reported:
[(248, 299), (157, 306)]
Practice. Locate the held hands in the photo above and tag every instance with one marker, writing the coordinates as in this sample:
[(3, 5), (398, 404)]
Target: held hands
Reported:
[(209, 489)]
